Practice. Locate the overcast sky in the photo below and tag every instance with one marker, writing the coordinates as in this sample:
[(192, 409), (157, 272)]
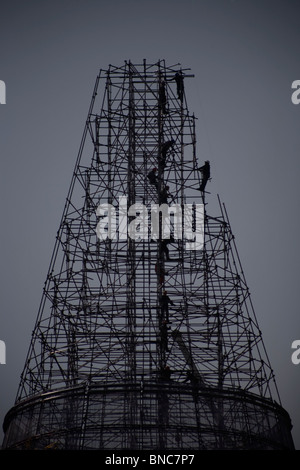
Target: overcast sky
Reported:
[(245, 56)]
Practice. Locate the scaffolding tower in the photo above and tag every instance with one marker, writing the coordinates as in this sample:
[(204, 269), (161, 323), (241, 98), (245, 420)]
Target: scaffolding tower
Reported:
[(146, 337)]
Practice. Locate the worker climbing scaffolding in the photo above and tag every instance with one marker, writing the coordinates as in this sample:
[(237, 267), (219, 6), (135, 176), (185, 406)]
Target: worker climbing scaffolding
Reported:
[(152, 177), (165, 301), (180, 85), (163, 97), (164, 151), (205, 171)]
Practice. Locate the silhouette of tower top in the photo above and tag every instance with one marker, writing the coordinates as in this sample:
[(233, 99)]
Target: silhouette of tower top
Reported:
[(146, 337)]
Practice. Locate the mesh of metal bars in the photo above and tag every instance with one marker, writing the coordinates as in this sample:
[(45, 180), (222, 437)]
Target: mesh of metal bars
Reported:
[(127, 305), (169, 416)]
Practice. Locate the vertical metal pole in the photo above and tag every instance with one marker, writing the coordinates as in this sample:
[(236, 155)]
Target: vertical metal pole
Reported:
[(109, 156), (131, 273)]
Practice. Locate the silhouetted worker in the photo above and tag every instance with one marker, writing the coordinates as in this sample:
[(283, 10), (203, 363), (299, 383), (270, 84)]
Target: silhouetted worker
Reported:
[(165, 301), (165, 248), (166, 373), (180, 85), (160, 271), (164, 150), (164, 194), (205, 170), (153, 178), (164, 335), (163, 97), (191, 378)]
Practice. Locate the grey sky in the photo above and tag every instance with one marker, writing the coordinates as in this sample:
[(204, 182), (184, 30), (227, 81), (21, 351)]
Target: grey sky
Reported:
[(244, 54)]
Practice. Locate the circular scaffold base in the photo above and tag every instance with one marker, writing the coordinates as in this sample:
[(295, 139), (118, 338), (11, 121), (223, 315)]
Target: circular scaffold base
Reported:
[(147, 416)]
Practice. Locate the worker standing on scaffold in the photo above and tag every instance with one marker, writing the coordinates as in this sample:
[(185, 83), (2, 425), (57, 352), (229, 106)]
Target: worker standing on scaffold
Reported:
[(152, 177), (165, 301), (180, 86), (205, 170)]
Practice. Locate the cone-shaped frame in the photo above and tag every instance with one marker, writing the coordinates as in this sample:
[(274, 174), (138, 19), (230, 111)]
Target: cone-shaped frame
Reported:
[(146, 337)]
